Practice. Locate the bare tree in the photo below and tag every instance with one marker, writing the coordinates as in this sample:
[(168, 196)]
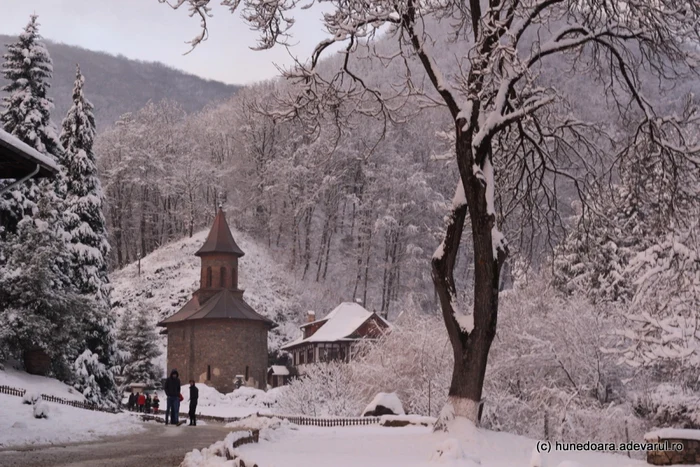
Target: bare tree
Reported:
[(506, 114)]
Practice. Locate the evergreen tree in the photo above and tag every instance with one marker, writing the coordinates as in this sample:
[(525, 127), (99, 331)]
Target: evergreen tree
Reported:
[(39, 310), (86, 227), (631, 217), (84, 200), (26, 115), (142, 348)]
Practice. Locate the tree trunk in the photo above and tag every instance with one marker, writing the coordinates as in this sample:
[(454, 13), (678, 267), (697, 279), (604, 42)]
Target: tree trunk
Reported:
[(470, 347)]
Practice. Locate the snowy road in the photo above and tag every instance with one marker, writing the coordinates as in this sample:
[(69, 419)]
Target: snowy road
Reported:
[(158, 446)]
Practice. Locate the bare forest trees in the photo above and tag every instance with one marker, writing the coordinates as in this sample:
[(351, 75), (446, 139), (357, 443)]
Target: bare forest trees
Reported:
[(335, 216), (516, 138), (155, 190)]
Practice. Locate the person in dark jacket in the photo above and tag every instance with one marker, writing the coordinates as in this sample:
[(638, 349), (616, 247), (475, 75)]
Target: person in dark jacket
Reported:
[(132, 401), (194, 397), (172, 403), (156, 403), (148, 403)]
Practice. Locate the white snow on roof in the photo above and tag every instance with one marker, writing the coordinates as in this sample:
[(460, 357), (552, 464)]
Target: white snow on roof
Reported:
[(279, 370), (387, 399), (28, 150), (339, 324), (672, 433)]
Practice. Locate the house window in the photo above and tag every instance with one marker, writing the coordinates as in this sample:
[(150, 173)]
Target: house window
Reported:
[(208, 372), (301, 357), (310, 355), (342, 353), (246, 372), (334, 353), (223, 278), (209, 276)]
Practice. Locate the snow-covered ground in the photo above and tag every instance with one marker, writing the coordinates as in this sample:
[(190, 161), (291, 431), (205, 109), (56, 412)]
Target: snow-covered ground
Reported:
[(63, 424), (239, 403), (376, 446), (38, 384)]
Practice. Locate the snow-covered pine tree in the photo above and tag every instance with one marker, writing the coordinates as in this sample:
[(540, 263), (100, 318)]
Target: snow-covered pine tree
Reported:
[(86, 226), (143, 348), (39, 310), (632, 216), (26, 114), (84, 201)]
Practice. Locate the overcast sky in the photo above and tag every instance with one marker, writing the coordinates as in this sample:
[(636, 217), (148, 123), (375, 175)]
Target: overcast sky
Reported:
[(148, 30)]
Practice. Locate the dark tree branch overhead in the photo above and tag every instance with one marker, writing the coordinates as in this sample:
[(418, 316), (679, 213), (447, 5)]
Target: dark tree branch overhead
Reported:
[(515, 138)]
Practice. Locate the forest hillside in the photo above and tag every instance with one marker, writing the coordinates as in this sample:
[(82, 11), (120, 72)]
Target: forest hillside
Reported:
[(117, 85)]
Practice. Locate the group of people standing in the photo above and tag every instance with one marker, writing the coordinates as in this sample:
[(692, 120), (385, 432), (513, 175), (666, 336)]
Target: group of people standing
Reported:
[(144, 403), (174, 397)]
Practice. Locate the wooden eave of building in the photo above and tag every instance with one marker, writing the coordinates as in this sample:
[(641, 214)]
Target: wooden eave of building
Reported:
[(226, 304), (220, 239), (18, 160)]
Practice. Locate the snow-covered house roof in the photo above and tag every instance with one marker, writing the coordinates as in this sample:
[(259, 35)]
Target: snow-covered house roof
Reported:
[(279, 370), (338, 325), (18, 160)]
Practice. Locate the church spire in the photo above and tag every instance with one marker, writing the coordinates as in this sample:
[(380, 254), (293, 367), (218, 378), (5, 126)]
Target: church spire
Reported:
[(220, 239)]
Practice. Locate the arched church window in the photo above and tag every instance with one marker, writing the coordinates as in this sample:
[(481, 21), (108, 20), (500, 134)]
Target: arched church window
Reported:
[(223, 278), (209, 276)]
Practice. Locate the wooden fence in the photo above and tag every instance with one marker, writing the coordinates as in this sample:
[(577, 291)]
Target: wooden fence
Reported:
[(327, 422), (12, 391), (58, 400)]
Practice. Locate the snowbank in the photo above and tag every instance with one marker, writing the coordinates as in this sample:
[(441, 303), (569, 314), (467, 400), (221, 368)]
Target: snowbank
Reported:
[(216, 454), (63, 424), (242, 402), (38, 384), (271, 428), (411, 446), (387, 400)]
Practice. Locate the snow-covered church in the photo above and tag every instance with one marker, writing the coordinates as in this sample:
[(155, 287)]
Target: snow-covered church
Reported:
[(218, 338)]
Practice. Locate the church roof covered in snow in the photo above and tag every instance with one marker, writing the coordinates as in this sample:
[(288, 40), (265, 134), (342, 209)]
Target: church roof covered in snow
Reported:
[(17, 159), (226, 304), (220, 239), (340, 324)]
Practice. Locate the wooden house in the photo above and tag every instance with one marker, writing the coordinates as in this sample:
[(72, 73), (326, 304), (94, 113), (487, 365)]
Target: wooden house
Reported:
[(333, 337)]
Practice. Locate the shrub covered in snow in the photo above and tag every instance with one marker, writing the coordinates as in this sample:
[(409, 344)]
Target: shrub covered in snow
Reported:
[(669, 405), (327, 389), (414, 361), (548, 375), (31, 397), (41, 410)]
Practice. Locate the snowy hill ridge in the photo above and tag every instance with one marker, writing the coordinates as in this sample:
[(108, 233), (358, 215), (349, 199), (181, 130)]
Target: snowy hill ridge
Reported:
[(170, 274)]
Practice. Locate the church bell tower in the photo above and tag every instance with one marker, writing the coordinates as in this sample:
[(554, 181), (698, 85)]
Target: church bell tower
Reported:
[(219, 256)]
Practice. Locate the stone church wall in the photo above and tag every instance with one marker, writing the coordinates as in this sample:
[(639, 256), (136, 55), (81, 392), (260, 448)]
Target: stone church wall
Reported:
[(214, 351)]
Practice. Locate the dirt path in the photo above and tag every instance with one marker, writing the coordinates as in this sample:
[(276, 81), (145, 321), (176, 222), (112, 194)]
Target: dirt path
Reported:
[(158, 446)]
